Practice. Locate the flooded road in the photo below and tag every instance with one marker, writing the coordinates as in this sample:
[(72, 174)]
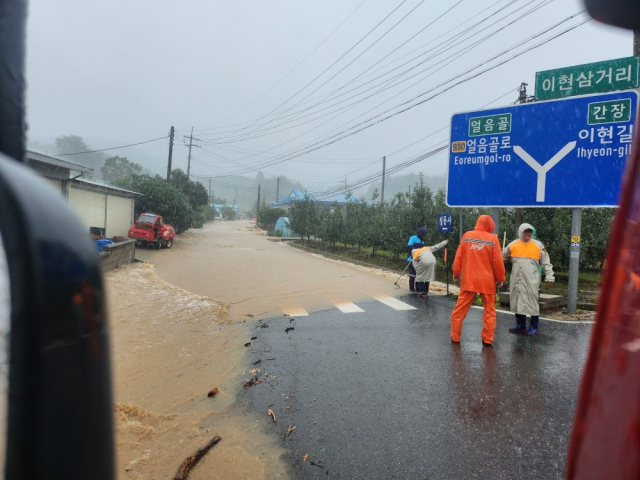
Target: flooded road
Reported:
[(179, 324)]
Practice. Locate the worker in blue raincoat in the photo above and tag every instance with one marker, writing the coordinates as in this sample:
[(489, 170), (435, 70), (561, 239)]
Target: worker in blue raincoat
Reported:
[(416, 241)]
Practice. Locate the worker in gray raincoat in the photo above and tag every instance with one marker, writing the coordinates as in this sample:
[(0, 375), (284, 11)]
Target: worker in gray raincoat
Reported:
[(424, 264), (527, 256)]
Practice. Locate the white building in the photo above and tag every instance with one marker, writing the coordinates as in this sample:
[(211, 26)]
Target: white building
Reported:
[(103, 209)]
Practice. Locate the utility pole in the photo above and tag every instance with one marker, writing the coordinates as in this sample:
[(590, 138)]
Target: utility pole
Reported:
[(574, 260), (258, 206), (278, 189), (522, 93), (384, 161), (171, 135), (191, 144), (522, 98)]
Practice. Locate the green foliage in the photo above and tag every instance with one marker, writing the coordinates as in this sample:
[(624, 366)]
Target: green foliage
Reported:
[(116, 168), (161, 198), (228, 213), (194, 191), (303, 217), (74, 144), (270, 215), (209, 214), (388, 227)]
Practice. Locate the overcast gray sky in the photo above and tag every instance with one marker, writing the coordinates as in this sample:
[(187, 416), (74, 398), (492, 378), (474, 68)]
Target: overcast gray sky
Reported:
[(123, 71)]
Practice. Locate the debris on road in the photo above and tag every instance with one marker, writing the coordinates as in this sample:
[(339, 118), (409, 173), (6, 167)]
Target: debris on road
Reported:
[(272, 415), (252, 382), (253, 338), (191, 460), (306, 456), (287, 330), (316, 464), (257, 361), (212, 392), (247, 344), (290, 429)]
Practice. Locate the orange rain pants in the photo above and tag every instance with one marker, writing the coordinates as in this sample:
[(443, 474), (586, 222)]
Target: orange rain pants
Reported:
[(465, 299)]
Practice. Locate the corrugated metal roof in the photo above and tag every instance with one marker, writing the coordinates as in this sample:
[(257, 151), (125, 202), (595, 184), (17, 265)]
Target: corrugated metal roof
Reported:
[(45, 158), (104, 185)]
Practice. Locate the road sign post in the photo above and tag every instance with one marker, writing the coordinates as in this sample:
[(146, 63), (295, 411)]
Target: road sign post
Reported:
[(574, 260), (445, 225)]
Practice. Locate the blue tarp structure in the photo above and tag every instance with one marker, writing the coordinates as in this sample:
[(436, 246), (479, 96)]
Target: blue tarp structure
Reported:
[(326, 199), (282, 224)]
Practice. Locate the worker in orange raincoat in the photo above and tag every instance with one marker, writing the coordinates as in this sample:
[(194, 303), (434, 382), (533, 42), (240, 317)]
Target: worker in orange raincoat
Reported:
[(479, 262)]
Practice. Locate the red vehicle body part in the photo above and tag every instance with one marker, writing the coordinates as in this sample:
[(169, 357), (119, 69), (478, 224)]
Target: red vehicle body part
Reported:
[(605, 442), (150, 230)]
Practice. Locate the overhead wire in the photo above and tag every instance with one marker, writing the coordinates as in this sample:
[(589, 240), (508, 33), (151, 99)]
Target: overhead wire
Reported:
[(375, 119), (294, 68), (330, 96), (446, 60), (336, 61), (113, 148)]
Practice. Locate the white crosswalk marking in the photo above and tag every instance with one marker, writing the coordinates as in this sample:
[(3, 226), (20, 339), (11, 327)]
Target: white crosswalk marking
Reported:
[(295, 311), (348, 307), (393, 302)]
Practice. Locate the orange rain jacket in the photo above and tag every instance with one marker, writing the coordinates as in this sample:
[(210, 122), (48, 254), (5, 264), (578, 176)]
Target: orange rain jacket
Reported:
[(479, 258)]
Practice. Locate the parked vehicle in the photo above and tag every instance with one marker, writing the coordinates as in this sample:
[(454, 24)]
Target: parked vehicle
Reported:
[(150, 230)]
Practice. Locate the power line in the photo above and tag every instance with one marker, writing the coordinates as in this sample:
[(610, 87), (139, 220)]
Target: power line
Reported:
[(326, 141), (330, 66), (114, 148), (357, 102), (329, 96), (293, 69)]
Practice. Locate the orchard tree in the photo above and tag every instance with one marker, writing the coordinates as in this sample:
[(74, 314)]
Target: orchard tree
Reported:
[(116, 168)]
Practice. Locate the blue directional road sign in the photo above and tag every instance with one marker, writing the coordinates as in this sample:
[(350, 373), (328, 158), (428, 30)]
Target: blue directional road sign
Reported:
[(445, 223), (561, 153)]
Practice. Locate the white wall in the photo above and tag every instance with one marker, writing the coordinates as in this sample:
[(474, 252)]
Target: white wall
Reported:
[(119, 216), (91, 206)]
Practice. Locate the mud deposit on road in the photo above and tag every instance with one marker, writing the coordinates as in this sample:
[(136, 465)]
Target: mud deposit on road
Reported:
[(173, 342), (170, 347)]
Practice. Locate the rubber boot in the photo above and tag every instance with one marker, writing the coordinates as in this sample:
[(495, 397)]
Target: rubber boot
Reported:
[(521, 324), (533, 327)]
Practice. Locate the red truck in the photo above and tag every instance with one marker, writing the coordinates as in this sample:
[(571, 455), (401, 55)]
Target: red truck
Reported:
[(150, 230)]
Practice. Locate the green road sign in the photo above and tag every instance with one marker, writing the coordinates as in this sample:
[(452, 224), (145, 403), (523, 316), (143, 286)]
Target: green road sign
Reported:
[(609, 112), (599, 77), (490, 125)]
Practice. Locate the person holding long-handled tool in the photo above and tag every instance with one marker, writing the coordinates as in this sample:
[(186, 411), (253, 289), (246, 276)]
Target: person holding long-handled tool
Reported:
[(424, 263), (416, 241)]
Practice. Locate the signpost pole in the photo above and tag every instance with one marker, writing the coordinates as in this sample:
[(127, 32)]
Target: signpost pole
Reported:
[(495, 214), (446, 265), (574, 260)]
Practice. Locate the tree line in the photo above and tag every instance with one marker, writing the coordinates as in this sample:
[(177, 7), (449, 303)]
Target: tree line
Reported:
[(387, 227)]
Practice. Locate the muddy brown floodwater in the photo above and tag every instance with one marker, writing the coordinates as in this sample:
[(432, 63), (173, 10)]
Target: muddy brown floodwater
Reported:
[(179, 323)]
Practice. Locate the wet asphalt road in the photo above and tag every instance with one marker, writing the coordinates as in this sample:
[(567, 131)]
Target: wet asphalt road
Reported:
[(384, 394)]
